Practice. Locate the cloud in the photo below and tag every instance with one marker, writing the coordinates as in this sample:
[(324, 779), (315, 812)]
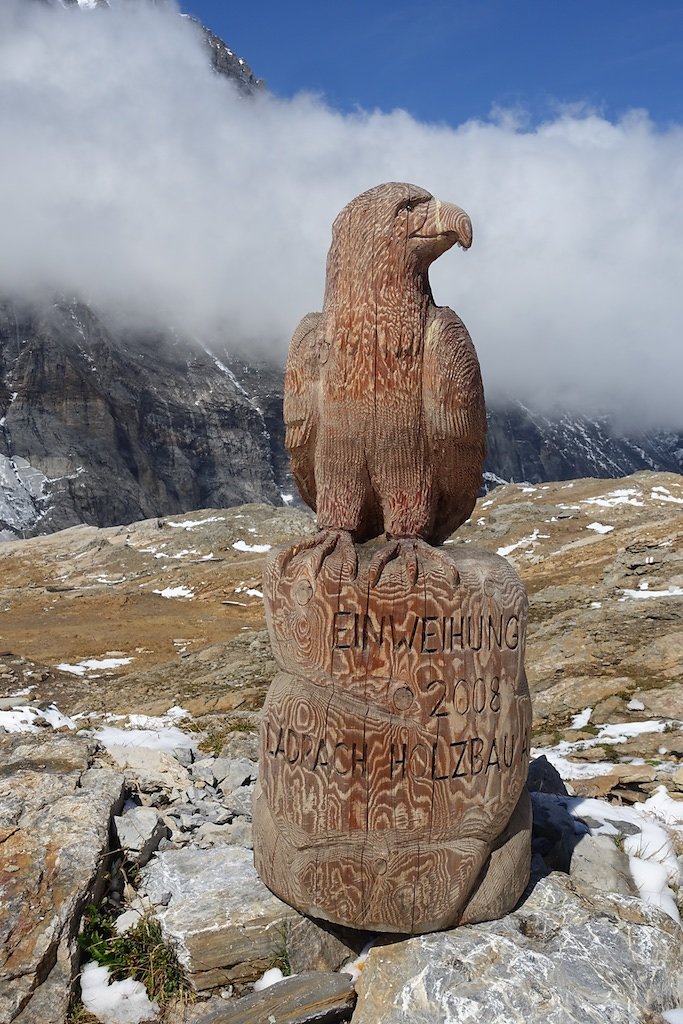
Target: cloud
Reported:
[(136, 178)]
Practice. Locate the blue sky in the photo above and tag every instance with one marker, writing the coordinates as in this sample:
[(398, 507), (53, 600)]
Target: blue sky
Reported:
[(450, 60)]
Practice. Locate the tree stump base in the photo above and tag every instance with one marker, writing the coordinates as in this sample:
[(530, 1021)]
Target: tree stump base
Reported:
[(395, 739)]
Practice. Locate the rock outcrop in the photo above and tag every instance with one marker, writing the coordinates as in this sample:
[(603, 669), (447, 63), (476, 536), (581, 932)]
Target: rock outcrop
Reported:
[(567, 955), (56, 808), (527, 445)]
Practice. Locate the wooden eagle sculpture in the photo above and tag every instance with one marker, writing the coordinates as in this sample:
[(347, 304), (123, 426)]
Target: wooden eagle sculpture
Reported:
[(384, 403)]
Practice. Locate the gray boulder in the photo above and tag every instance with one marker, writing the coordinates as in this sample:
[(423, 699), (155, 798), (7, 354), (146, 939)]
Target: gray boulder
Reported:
[(139, 831), (226, 926), (567, 955)]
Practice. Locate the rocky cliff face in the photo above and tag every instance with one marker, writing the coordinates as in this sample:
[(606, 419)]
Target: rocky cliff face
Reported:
[(524, 445), (103, 427)]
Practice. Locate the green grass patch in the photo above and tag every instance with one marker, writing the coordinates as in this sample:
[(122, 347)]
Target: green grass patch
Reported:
[(141, 953), (281, 958), (216, 735)]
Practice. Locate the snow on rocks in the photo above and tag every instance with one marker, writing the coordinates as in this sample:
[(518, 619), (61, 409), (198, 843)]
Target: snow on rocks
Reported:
[(268, 978), (22, 496), (525, 542), (249, 591), (57, 801), (610, 735), (619, 496), (191, 524), (582, 719), (29, 718), (650, 833), (644, 592), (148, 733), (115, 1002)]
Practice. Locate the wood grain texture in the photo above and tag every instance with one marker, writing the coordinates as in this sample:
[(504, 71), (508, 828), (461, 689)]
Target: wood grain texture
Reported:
[(395, 740), (384, 404)]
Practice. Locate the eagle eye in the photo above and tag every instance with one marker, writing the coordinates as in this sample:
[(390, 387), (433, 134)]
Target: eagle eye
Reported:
[(409, 205)]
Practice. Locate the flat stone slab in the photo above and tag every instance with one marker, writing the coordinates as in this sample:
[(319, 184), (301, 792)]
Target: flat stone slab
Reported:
[(225, 924), (55, 813), (567, 955), (139, 832), (312, 998)]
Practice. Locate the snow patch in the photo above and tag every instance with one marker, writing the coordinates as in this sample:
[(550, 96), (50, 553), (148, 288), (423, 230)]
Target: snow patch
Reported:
[(115, 1002), (599, 527), (583, 718), (166, 738), (189, 524), (249, 591), (93, 665), (32, 719), (652, 857), (644, 592), (622, 496), (260, 549), (662, 494), (270, 977), (623, 731), (608, 735), (181, 591), (524, 542)]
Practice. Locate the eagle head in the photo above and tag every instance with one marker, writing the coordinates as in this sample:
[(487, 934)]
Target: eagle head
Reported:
[(405, 219), (430, 226)]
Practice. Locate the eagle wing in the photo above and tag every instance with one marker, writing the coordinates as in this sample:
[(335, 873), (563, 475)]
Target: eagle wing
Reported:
[(455, 420), (302, 389)]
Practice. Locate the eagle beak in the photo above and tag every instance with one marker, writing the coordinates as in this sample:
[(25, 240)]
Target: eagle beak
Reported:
[(451, 220)]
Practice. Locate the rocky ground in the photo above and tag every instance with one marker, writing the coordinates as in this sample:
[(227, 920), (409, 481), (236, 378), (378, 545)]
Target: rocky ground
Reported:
[(133, 663)]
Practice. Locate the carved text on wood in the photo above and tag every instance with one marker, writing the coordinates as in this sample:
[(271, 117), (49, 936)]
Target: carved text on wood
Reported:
[(395, 742)]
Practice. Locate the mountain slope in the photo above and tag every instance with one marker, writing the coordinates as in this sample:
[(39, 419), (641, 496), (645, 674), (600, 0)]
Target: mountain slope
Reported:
[(104, 427), (524, 445)]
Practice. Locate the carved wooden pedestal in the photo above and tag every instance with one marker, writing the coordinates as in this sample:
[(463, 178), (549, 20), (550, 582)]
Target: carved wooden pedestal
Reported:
[(395, 741)]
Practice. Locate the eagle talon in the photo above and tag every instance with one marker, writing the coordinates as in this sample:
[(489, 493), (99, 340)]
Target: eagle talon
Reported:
[(405, 548), (321, 546)]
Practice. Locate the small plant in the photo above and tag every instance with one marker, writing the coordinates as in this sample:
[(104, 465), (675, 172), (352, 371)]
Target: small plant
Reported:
[(215, 736), (240, 725), (140, 953), (281, 957), (79, 1015)]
